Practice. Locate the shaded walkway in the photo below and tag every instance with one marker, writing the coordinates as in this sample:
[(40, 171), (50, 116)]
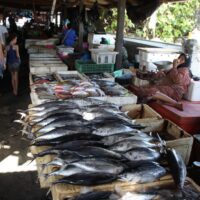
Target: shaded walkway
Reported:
[(18, 179)]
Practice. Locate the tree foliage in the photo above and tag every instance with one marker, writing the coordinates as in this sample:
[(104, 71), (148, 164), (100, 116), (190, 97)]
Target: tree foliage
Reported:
[(174, 20)]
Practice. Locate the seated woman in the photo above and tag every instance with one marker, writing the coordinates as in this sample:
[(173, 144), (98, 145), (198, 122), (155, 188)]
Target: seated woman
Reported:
[(172, 86), (69, 36)]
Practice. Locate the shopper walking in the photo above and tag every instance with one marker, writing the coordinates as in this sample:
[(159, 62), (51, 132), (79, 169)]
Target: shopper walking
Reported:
[(13, 61)]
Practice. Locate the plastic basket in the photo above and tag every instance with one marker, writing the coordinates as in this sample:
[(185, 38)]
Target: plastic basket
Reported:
[(91, 67), (102, 56)]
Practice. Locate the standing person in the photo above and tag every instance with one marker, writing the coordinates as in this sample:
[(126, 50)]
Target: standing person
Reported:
[(3, 35), (13, 61), (2, 64), (70, 36)]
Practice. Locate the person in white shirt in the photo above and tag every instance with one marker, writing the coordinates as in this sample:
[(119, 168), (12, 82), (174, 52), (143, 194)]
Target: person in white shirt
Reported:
[(3, 34)]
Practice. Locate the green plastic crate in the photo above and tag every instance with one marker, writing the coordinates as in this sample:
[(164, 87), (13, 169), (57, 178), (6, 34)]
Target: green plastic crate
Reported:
[(91, 67)]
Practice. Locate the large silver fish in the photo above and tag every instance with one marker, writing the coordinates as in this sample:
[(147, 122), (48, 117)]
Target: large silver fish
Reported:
[(144, 173), (99, 165), (177, 167), (65, 171), (87, 179), (111, 129), (62, 132), (58, 123), (128, 144), (110, 140), (142, 154)]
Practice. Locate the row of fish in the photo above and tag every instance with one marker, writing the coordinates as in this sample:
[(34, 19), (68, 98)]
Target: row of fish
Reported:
[(93, 143), (69, 89), (189, 193)]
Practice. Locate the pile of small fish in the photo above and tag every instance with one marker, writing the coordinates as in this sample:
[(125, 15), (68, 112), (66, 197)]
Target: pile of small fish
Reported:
[(96, 76), (111, 88), (78, 89), (39, 79), (68, 90), (93, 143)]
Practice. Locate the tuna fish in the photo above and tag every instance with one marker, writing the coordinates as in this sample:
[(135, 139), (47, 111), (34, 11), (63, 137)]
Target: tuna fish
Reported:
[(177, 167), (88, 151), (110, 140), (87, 179), (97, 195), (63, 132), (146, 172), (142, 154), (128, 144), (111, 129), (99, 166)]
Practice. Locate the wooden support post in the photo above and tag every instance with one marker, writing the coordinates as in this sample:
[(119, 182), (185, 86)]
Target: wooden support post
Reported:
[(81, 27), (120, 31)]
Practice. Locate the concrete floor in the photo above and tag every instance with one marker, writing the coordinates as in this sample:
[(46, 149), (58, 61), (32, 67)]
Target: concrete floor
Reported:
[(18, 178)]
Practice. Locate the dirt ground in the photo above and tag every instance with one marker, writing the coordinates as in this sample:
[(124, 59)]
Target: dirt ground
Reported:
[(18, 179)]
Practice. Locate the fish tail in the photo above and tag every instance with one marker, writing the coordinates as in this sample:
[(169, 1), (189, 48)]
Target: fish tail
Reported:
[(20, 110), (32, 160), (20, 122), (162, 144), (29, 134), (48, 192), (23, 115)]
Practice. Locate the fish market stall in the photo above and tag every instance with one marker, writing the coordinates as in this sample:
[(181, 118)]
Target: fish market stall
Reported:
[(91, 143), (47, 82), (107, 91)]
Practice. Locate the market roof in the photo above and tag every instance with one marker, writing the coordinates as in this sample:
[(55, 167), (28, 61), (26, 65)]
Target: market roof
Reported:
[(137, 10), (47, 4)]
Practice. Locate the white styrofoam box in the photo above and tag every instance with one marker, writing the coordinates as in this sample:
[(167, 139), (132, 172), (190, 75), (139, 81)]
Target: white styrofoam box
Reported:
[(96, 38), (149, 66), (72, 73), (44, 68), (50, 41), (44, 59), (157, 54), (43, 55), (101, 56), (106, 47), (132, 99), (193, 93), (195, 64)]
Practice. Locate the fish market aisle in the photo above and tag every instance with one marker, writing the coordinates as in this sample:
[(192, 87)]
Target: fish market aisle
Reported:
[(18, 178)]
